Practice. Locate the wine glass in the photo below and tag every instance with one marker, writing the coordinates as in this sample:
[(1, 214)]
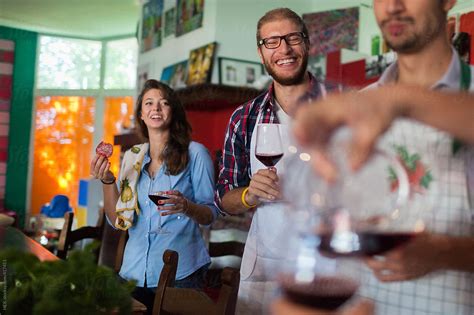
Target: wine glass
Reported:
[(309, 277), (362, 213), (157, 195), (268, 147)]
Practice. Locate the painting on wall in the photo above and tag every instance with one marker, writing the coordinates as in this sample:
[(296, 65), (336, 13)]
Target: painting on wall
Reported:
[(175, 75), (238, 72), (200, 64), (142, 76), (170, 22), (189, 15), (332, 30), (151, 25)]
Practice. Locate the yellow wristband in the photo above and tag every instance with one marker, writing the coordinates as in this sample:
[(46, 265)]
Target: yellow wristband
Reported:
[(243, 199)]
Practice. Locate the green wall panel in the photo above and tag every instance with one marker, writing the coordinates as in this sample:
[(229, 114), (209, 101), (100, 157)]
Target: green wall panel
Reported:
[(21, 109)]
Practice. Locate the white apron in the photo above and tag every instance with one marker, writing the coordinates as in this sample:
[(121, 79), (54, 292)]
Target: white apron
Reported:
[(265, 247)]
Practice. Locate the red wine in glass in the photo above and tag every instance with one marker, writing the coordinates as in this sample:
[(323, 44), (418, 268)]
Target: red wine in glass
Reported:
[(324, 292), (156, 198), (269, 160), (363, 243)]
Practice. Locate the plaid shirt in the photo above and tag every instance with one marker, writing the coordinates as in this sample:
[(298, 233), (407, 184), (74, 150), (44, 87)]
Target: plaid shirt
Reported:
[(234, 167)]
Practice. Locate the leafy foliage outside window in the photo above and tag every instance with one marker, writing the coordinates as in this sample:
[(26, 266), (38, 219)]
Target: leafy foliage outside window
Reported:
[(66, 63), (121, 64)]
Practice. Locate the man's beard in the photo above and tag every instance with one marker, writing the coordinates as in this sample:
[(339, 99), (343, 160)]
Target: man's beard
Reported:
[(293, 80), (414, 41)]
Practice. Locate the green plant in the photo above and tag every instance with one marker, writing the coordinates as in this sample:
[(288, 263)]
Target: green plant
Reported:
[(76, 286)]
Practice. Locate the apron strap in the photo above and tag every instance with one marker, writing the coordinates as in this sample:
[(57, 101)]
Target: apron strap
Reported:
[(465, 83)]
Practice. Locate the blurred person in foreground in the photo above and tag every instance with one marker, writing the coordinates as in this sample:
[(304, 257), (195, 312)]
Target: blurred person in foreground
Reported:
[(433, 274)]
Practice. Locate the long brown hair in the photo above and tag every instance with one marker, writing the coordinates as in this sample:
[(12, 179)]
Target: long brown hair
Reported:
[(176, 152)]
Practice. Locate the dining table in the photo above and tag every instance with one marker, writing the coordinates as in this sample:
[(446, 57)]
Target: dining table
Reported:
[(11, 237)]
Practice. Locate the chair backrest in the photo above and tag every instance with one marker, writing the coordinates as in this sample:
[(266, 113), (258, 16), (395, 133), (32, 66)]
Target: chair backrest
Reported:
[(170, 300), (226, 248), (67, 238)]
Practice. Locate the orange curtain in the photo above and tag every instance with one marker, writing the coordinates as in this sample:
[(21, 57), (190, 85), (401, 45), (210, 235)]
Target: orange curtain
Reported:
[(63, 143), (62, 146)]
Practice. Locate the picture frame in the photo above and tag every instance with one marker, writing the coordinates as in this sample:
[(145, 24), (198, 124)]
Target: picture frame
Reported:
[(170, 22), (238, 72), (332, 30), (175, 75), (189, 15), (200, 63), (151, 25)]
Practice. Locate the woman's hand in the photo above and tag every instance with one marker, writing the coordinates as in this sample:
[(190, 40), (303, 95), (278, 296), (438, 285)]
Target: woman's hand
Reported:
[(176, 203), (100, 169)]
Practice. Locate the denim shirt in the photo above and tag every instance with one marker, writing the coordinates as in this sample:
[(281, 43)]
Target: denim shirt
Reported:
[(144, 250)]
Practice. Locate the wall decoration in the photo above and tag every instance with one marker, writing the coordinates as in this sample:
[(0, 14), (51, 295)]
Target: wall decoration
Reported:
[(175, 75), (142, 76), (332, 30), (189, 15), (200, 64), (375, 65), (239, 72), (317, 66), (151, 25), (170, 22), (462, 43)]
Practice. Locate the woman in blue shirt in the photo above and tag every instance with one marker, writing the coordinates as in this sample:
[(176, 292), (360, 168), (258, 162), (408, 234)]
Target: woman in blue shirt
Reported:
[(169, 162)]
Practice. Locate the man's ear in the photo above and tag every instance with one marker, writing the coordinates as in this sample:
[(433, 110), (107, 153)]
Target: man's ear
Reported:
[(448, 5)]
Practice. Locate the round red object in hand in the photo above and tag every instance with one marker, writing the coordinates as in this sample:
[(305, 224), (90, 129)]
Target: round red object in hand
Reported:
[(104, 149)]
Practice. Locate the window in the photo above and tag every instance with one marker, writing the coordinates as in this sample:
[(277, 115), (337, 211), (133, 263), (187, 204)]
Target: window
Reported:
[(121, 64), (68, 63), (69, 100)]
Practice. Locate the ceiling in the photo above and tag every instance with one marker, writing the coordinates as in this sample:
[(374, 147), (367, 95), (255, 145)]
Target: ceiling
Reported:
[(97, 19), (94, 19)]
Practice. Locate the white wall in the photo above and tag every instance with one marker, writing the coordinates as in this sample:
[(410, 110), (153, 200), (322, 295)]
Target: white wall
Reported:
[(232, 24)]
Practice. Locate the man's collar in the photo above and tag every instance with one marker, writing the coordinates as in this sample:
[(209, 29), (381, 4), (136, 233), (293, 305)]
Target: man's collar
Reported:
[(450, 80), (313, 86)]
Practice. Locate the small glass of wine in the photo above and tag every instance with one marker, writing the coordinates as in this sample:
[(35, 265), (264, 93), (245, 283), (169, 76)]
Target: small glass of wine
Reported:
[(155, 196)]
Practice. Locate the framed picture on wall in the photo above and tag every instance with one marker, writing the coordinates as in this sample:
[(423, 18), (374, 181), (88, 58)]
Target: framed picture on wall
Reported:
[(170, 22), (239, 72), (332, 30), (189, 15), (200, 64), (175, 75), (151, 25)]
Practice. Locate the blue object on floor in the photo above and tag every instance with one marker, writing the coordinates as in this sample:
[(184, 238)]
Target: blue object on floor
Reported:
[(58, 206)]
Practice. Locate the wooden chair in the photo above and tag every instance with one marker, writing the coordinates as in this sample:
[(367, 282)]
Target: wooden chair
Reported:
[(219, 260), (170, 300), (67, 237)]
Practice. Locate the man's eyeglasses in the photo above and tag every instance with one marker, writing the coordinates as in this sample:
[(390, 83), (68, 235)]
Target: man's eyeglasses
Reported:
[(290, 39)]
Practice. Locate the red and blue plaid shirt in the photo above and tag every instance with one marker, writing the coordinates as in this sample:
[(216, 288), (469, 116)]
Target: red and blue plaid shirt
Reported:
[(234, 167)]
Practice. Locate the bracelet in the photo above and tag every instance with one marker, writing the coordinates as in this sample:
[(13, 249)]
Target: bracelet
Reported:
[(108, 183), (246, 205)]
